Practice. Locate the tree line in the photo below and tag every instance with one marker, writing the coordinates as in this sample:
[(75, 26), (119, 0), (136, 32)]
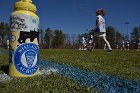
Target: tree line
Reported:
[(4, 31), (52, 39)]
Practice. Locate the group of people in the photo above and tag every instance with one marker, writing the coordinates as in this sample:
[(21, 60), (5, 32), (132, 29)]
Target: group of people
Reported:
[(99, 30), (87, 44), (125, 45)]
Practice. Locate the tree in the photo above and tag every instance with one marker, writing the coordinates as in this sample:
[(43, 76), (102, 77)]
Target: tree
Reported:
[(118, 37), (134, 36), (110, 31), (58, 39), (135, 33), (41, 37), (4, 32), (67, 40), (48, 37)]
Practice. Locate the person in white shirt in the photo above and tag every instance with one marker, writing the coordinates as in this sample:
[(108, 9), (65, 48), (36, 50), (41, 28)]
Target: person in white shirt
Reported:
[(83, 44), (117, 46), (91, 45), (127, 44), (7, 44), (138, 44), (100, 27), (91, 39), (123, 45)]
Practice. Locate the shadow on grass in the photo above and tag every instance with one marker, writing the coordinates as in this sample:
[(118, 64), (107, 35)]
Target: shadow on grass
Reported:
[(5, 69)]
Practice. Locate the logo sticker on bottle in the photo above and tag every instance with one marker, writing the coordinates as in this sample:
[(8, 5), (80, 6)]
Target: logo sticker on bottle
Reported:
[(26, 58)]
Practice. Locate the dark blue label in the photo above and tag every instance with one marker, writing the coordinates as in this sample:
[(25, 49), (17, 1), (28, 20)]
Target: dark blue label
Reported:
[(26, 58)]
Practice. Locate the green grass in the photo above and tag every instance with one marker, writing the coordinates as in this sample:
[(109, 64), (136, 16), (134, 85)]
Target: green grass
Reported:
[(45, 84), (121, 63), (53, 83), (3, 63)]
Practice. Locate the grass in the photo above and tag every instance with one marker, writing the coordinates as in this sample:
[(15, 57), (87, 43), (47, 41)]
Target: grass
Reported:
[(3, 63), (121, 63), (53, 83), (47, 84)]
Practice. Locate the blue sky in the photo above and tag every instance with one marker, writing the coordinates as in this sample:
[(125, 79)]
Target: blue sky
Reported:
[(76, 16)]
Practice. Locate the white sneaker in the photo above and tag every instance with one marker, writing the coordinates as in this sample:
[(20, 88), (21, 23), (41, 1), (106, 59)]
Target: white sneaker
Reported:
[(85, 49)]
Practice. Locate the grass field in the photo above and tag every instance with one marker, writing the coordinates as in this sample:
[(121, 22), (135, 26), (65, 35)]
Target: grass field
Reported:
[(125, 64), (121, 63)]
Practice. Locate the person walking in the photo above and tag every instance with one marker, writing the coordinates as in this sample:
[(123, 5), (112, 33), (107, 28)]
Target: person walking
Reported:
[(100, 28)]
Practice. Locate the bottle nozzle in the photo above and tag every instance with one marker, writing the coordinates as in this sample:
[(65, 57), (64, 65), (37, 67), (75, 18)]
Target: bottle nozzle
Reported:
[(27, 1), (25, 5)]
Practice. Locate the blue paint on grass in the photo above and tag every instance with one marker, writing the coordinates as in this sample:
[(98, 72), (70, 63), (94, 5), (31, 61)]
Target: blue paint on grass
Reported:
[(103, 82)]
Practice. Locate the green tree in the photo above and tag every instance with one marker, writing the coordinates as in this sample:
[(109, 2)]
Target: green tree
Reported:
[(41, 37), (67, 40), (4, 32), (58, 39), (48, 37), (134, 36), (110, 31), (135, 33), (118, 37)]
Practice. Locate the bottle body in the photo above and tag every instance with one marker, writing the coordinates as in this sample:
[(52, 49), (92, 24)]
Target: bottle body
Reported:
[(24, 44)]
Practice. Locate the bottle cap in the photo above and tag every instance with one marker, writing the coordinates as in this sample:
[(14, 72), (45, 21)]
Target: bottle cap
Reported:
[(25, 5)]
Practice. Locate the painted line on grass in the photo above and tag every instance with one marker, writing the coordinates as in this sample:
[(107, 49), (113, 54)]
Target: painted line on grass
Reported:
[(103, 82)]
